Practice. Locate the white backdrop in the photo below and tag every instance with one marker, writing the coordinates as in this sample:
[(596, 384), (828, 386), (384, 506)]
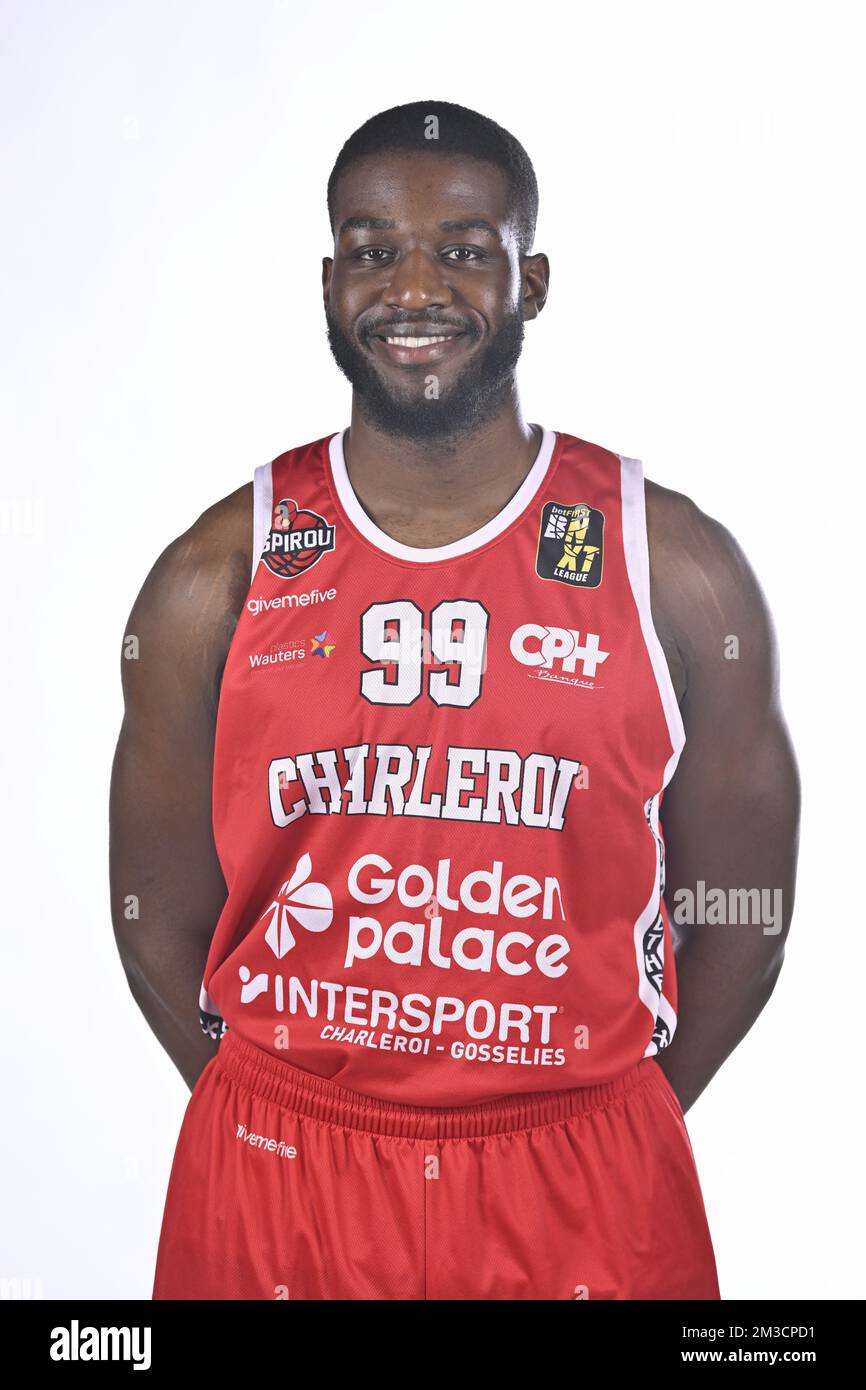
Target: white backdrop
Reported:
[(164, 171)]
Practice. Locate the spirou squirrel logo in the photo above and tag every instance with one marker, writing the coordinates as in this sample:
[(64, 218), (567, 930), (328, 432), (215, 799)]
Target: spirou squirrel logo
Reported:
[(571, 544), (296, 540)]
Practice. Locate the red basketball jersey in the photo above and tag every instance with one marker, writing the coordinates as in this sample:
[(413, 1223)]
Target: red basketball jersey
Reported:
[(436, 789)]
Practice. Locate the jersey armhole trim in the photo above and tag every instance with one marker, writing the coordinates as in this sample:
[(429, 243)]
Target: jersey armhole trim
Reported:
[(636, 546), (263, 501)]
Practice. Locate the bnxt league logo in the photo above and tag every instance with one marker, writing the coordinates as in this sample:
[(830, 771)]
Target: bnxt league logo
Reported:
[(297, 539), (571, 544)]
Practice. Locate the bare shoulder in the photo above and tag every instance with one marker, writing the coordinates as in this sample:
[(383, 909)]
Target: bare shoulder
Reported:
[(704, 591), (185, 614), (200, 570), (683, 535)]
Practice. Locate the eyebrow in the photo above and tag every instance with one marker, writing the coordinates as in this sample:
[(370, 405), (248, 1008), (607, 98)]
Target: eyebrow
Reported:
[(470, 224), (365, 224), (384, 224)]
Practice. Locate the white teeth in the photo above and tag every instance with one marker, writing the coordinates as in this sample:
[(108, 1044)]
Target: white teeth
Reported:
[(416, 342)]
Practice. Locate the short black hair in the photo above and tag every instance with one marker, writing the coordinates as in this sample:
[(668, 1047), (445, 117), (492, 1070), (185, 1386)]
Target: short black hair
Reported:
[(404, 129)]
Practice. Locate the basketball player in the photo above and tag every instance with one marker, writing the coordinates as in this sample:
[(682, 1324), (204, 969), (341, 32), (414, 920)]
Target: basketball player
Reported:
[(389, 793)]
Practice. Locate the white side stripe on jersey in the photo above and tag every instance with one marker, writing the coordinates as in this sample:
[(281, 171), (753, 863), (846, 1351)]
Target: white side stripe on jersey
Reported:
[(263, 501), (637, 564), (650, 954)]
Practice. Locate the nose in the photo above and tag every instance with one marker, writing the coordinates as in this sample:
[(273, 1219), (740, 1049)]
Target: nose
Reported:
[(417, 283)]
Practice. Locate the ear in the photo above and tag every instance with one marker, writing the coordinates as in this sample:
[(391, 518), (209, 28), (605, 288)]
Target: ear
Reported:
[(535, 274)]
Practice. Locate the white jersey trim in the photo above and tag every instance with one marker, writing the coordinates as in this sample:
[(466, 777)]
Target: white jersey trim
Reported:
[(650, 990), (634, 535), (636, 546), (494, 527), (263, 501)]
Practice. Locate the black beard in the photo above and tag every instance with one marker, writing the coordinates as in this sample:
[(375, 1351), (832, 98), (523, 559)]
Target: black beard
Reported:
[(473, 398)]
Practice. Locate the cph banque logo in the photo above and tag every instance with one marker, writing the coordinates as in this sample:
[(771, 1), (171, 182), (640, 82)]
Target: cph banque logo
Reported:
[(554, 652), (300, 902), (297, 539)]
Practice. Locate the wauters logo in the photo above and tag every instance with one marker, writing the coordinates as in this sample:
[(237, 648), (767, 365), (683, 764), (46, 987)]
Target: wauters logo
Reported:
[(571, 544), (300, 902), (297, 539), (321, 643)]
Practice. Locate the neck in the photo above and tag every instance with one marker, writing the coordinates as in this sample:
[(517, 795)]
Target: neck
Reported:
[(404, 483)]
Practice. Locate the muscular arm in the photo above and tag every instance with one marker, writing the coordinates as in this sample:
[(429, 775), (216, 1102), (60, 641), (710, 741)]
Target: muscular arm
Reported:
[(167, 889), (730, 815)]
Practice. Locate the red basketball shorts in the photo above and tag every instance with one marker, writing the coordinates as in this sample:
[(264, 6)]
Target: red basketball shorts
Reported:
[(288, 1186)]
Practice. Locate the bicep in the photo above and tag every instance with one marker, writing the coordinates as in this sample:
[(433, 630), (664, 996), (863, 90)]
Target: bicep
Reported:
[(730, 816), (165, 874), (166, 882)]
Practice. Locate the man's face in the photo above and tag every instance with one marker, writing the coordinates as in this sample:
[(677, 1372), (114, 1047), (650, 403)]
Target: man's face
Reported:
[(424, 248)]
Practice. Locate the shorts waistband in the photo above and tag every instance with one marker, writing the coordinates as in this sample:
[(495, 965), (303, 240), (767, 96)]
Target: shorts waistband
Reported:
[(319, 1098)]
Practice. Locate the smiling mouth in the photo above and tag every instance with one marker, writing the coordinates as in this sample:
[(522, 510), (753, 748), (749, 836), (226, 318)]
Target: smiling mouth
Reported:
[(407, 349), (416, 340)]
